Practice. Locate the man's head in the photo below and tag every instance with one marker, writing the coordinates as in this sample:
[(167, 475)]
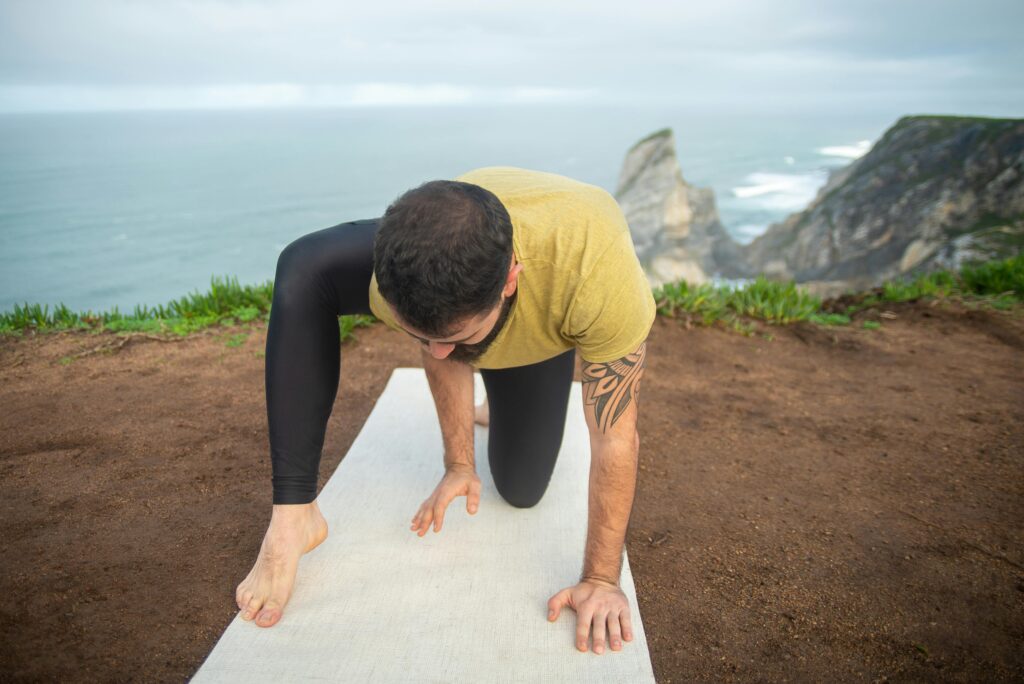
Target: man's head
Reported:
[(444, 263)]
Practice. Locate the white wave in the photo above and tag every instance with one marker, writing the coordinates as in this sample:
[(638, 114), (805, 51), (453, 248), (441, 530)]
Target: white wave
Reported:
[(781, 191), (855, 151), (789, 160), (748, 231), (717, 280)]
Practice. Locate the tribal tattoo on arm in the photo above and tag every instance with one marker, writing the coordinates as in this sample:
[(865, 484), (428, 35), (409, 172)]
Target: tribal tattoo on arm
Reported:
[(609, 387)]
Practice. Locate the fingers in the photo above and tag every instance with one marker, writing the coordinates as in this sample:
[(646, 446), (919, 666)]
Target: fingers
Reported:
[(555, 604), (614, 632), (605, 618), (432, 511), (627, 625), (421, 523), (584, 617), (428, 517), (599, 622), (439, 508)]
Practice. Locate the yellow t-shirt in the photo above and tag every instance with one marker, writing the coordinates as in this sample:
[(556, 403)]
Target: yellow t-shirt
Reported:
[(581, 284)]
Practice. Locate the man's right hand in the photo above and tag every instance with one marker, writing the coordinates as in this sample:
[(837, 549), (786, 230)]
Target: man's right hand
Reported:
[(458, 480)]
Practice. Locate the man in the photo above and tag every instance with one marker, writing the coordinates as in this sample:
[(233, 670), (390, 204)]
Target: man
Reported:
[(504, 269)]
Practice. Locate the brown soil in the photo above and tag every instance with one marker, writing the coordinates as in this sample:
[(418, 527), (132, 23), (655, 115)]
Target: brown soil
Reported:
[(832, 504)]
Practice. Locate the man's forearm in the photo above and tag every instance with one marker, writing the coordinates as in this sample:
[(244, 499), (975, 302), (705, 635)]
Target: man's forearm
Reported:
[(613, 467), (451, 384)]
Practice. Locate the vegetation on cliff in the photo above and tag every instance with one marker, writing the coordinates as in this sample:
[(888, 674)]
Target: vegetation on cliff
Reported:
[(934, 193), (998, 284)]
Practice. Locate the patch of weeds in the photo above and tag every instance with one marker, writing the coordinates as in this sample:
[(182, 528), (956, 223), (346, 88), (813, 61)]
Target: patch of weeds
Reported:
[(872, 325), (741, 326), (936, 284), (1003, 278), (65, 360), (829, 319), (260, 354), (246, 313), (237, 340), (223, 303), (348, 324), (704, 302), (1003, 303), (997, 284), (772, 301)]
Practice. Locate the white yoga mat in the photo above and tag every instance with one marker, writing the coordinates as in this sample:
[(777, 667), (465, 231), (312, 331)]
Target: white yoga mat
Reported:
[(377, 603)]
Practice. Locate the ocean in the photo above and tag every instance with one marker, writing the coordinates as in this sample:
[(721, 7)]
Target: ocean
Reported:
[(109, 209)]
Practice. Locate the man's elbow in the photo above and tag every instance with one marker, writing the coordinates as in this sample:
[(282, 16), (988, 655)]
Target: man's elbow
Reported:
[(616, 442)]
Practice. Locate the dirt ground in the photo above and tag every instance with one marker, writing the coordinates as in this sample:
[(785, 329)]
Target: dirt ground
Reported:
[(828, 505)]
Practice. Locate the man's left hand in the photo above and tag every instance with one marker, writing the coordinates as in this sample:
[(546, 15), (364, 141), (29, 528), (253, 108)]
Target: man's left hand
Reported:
[(598, 604)]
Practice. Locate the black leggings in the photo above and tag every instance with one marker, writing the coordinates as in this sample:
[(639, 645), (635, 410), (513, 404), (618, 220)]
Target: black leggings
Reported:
[(326, 273)]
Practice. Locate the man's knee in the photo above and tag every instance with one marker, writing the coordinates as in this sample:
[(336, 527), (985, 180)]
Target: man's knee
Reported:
[(521, 496), (293, 260)]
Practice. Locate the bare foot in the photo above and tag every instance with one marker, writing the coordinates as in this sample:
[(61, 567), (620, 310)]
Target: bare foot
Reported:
[(294, 530), (483, 414)]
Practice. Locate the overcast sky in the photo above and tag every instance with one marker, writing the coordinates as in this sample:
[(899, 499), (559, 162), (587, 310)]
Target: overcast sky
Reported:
[(965, 56)]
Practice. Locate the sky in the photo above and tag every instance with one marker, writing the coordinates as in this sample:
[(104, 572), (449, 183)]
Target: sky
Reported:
[(165, 54)]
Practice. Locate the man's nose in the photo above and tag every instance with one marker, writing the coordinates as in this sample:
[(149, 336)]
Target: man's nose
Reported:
[(440, 350)]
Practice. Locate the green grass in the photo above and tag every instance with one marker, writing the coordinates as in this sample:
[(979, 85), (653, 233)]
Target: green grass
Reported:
[(998, 284), (773, 302), (226, 303), (996, 278), (938, 284)]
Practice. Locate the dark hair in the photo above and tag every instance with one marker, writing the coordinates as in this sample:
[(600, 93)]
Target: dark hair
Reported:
[(442, 253)]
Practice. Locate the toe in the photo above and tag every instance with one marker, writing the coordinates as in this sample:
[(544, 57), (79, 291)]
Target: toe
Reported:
[(268, 616), (242, 597), (252, 608), (273, 607)]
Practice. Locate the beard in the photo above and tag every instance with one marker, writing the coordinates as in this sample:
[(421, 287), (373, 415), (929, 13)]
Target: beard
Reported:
[(468, 353)]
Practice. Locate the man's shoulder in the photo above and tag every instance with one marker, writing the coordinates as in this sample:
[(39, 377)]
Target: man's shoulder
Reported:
[(550, 198), (514, 179), (564, 222)]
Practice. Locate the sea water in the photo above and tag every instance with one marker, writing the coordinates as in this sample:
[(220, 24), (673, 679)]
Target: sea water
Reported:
[(112, 209)]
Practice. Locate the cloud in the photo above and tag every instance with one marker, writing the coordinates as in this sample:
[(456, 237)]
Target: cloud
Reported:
[(318, 52), (232, 96)]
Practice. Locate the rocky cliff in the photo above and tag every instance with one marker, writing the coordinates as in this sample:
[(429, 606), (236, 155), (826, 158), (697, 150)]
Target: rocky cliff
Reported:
[(675, 226), (933, 192)]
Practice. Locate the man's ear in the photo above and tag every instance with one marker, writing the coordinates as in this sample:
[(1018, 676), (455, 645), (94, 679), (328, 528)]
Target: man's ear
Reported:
[(512, 280)]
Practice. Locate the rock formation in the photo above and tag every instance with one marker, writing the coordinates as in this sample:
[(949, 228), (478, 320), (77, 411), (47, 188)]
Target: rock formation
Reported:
[(934, 192), (675, 226)]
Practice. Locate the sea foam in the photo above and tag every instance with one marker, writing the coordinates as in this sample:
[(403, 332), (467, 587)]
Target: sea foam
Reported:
[(855, 151), (781, 191)]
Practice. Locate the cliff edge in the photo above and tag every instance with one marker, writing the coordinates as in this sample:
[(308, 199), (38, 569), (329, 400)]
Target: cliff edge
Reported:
[(675, 226), (933, 192)]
